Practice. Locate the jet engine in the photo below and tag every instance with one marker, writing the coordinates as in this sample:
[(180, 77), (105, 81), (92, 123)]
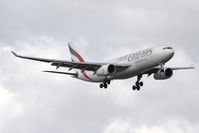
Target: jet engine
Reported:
[(106, 70), (165, 74)]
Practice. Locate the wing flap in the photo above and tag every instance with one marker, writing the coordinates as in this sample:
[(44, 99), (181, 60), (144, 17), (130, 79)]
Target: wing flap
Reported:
[(78, 65)]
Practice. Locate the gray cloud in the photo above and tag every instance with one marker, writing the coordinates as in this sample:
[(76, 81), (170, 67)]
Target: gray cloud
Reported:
[(31, 101)]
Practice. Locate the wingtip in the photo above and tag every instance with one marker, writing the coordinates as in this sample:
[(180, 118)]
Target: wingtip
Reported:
[(192, 66), (14, 54), (45, 71)]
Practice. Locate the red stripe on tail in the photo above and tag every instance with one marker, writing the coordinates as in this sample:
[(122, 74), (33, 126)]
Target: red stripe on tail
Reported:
[(84, 72)]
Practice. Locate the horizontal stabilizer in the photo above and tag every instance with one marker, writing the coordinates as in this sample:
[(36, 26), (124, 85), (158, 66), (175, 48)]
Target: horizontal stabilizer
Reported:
[(73, 74)]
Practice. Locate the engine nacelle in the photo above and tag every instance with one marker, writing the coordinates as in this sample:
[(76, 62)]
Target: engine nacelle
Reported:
[(168, 73), (106, 70)]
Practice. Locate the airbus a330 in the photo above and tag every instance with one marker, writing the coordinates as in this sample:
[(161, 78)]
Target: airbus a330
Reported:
[(143, 62)]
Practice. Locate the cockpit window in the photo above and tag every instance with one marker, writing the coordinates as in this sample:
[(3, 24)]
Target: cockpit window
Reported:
[(167, 48)]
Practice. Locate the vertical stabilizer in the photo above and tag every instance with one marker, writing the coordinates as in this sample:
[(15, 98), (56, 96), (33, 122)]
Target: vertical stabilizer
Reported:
[(75, 56)]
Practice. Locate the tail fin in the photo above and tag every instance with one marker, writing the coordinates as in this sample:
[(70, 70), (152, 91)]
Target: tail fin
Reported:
[(75, 56)]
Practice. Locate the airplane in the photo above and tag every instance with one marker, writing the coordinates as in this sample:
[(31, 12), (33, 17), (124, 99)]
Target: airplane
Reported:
[(143, 62)]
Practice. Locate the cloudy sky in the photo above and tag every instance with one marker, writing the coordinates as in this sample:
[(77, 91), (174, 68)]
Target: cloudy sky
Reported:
[(32, 101)]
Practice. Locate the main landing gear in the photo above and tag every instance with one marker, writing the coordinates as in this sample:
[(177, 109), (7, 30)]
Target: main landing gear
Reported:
[(138, 83), (105, 84)]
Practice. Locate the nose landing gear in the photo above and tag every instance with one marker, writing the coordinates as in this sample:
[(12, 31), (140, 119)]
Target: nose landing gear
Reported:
[(162, 67), (138, 83)]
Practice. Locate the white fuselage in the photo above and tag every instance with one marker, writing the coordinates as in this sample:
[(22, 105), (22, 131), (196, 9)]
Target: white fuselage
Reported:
[(139, 62)]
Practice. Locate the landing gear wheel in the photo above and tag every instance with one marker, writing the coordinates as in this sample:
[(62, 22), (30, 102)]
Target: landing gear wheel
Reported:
[(134, 87), (141, 84), (105, 86), (137, 83), (101, 85), (138, 88), (108, 82)]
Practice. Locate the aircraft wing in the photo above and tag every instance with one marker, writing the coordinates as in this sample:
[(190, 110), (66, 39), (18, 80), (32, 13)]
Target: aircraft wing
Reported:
[(89, 66), (181, 68), (156, 69)]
